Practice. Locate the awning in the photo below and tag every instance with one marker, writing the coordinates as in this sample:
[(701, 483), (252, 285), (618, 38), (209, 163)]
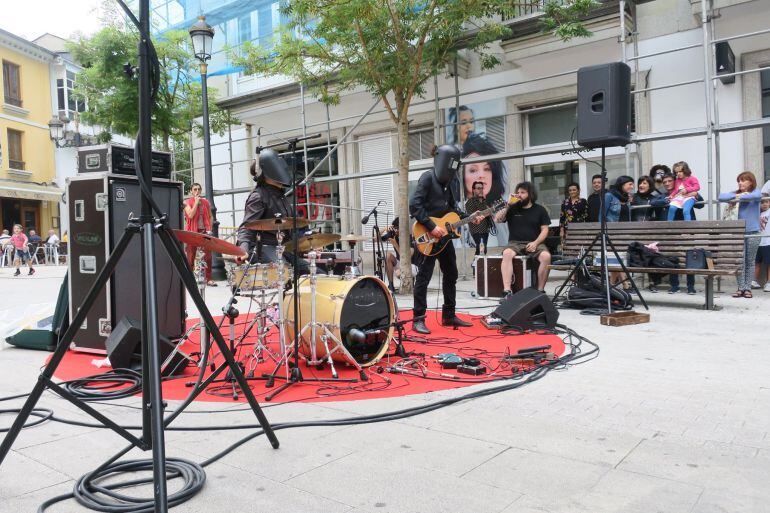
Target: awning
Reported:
[(30, 191)]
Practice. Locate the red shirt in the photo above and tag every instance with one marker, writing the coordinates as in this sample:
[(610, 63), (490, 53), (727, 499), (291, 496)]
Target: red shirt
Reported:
[(19, 240), (202, 216)]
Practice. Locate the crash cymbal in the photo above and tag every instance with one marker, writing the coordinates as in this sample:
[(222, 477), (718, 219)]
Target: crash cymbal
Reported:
[(316, 240), (352, 237), (275, 224), (208, 242)]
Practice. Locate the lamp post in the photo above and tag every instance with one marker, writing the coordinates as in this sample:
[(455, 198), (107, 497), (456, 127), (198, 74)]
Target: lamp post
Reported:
[(57, 127), (202, 36)]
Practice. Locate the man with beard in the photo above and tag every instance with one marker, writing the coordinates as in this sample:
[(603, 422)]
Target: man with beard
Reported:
[(528, 224), (265, 202), (437, 193), (594, 199)]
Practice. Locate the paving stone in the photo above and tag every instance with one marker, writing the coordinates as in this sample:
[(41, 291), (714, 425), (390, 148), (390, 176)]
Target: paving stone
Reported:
[(21, 475)]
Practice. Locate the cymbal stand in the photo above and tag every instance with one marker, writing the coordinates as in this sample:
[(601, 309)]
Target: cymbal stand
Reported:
[(200, 269), (354, 265)]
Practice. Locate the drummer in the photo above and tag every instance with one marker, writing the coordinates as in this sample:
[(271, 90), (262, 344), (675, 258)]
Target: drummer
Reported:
[(265, 201)]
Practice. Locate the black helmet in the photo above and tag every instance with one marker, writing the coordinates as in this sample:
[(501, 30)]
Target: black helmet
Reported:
[(272, 166), (446, 162)]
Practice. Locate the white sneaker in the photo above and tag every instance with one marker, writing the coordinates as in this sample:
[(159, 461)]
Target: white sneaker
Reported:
[(767, 287), (755, 285)]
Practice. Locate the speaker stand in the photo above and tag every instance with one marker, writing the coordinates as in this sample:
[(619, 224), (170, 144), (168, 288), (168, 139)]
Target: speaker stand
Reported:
[(604, 241)]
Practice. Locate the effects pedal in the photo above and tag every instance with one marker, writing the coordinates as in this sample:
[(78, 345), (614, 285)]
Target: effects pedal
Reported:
[(474, 370)]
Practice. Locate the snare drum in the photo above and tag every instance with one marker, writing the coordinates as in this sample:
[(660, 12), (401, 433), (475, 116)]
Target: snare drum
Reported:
[(359, 313), (259, 276)]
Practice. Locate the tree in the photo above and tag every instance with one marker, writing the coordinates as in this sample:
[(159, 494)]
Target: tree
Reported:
[(392, 48), (112, 96)]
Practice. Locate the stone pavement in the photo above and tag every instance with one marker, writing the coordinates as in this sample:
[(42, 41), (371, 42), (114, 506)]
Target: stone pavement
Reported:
[(673, 416)]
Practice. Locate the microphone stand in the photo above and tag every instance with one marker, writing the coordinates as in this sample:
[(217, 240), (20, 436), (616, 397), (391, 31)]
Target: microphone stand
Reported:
[(378, 253)]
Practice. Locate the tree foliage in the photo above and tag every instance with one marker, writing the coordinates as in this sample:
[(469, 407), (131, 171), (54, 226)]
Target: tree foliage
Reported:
[(112, 96), (392, 48)]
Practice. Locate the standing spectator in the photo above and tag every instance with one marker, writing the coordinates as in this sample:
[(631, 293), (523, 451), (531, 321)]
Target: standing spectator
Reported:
[(748, 196), (763, 253), (594, 200), (20, 241), (479, 232), (197, 218), (618, 199), (645, 187), (685, 192), (574, 209)]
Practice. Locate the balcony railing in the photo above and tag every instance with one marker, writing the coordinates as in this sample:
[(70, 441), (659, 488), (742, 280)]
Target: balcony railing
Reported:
[(523, 8)]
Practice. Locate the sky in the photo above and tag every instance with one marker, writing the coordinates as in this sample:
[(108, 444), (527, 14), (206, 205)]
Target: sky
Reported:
[(33, 18)]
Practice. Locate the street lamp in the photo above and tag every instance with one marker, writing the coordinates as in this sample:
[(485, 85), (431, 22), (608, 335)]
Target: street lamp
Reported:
[(202, 36), (57, 128)]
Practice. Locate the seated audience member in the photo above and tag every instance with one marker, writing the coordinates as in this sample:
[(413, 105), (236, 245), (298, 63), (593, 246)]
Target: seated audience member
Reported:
[(51, 243), (685, 192), (762, 272), (645, 187), (657, 172), (618, 199), (594, 200), (528, 224), (34, 238), (393, 258), (574, 209), (4, 238), (748, 197)]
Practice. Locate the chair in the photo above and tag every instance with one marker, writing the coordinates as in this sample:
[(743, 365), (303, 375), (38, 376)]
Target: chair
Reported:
[(6, 255), (51, 253), (62, 253), (32, 249)]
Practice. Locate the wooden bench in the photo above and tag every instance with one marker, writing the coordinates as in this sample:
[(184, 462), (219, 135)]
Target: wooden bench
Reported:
[(724, 239)]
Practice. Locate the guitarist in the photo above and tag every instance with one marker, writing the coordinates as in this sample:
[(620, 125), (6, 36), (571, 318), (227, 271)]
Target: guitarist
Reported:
[(437, 193)]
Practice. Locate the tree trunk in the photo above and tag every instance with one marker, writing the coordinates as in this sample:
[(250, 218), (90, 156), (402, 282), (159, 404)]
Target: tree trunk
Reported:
[(404, 223)]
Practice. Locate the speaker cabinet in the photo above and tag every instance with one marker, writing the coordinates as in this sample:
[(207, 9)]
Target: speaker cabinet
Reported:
[(528, 309), (124, 349), (725, 61), (99, 207), (604, 105)]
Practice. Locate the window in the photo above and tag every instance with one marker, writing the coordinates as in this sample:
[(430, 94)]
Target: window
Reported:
[(551, 181), (421, 144), (765, 80), (552, 126), (67, 103), (15, 157), (11, 84)]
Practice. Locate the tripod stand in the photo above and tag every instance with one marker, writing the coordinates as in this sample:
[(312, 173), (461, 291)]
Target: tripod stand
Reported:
[(148, 226), (603, 239)]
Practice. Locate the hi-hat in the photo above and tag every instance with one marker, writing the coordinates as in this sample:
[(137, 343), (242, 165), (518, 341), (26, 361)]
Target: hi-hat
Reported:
[(208, 242), (352, 237), (316, 240), (275, 224)]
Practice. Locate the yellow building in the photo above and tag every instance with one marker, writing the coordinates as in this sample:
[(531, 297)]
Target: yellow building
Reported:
[(28, 193)]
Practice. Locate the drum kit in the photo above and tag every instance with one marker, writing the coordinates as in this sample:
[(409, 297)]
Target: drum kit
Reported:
[(343, 319)]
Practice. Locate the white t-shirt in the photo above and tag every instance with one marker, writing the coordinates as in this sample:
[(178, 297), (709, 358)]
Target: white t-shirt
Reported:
[(765, 241), (53, 239)]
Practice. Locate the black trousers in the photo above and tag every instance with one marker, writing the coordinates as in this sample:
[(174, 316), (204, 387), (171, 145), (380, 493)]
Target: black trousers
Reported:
[(447, 261), (477, 239)]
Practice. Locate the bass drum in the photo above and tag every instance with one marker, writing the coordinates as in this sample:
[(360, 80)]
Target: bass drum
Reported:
[(362, 303)]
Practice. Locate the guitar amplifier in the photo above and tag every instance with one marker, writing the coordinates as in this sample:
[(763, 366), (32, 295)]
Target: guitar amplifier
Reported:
[(489, 278), (118, 159)]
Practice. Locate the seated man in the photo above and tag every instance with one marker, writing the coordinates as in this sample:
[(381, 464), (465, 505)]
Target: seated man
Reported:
[(393, 258), (528, 225)]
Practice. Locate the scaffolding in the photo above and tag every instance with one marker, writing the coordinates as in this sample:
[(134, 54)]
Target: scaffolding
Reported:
[(628, 17)]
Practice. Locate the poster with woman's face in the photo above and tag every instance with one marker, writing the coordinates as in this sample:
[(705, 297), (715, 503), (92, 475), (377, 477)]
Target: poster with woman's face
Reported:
[(479, 129)]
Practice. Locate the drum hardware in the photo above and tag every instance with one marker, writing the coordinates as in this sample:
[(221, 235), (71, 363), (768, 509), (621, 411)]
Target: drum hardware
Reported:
[(356, 263), (200, 271), (313, 241), (278, 223)]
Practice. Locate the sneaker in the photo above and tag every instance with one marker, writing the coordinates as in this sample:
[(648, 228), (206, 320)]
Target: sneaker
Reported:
[(653, 289), (17, 273), (31, 271), (767, 287), (755, 285), (673, 290), (691, 292)]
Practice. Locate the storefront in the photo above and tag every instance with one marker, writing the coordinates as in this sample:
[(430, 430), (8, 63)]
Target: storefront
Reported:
[(35, 207)]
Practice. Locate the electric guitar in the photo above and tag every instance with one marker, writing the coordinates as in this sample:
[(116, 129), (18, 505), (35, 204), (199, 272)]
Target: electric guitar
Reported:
[(429, 245)]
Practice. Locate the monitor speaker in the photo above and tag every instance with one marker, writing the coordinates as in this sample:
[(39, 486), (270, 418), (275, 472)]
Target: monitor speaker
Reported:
[(604, 105), (528, 309), (725, 62), (124, 349)]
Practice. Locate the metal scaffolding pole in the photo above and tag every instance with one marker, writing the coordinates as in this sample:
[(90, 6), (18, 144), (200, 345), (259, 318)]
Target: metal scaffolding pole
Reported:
[(712, 84), (705, 8), (638, 169), (624, 59), (304, 149)]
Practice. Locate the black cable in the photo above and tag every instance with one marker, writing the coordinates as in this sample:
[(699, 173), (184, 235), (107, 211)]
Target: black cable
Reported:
[(115, 384), (43, 414)]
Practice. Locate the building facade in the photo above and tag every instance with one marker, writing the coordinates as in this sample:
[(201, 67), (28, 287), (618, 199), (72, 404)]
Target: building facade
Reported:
[(526, 108), (29, 194)]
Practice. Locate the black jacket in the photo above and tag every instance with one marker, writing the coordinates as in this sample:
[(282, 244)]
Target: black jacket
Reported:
[(643, 214), (263, 203), (431, 199), (593, 207)]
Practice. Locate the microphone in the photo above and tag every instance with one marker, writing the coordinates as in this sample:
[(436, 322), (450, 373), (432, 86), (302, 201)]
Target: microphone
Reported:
[(365, 219), (356, 336)]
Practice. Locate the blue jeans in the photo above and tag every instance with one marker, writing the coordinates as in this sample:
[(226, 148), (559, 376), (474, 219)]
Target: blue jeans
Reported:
[(673, 280), (686, 210)]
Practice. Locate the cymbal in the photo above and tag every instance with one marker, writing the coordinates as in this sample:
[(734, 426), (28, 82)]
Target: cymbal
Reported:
[(317, 240), (208, 242), (275, 224), (352, 237)]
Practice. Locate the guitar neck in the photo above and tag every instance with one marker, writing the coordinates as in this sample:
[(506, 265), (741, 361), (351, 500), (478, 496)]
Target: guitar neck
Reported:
[(469, 219)]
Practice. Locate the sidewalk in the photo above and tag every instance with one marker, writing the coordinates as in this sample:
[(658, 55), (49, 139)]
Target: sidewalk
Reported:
[(673, 416)]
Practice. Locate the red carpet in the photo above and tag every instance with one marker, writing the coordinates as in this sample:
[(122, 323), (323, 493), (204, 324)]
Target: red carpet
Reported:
[(426, 375)]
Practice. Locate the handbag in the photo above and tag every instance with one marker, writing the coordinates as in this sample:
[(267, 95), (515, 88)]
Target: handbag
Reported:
[(696, 258)]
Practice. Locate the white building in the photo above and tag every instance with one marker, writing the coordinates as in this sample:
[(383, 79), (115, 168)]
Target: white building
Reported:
[(662, 40)]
